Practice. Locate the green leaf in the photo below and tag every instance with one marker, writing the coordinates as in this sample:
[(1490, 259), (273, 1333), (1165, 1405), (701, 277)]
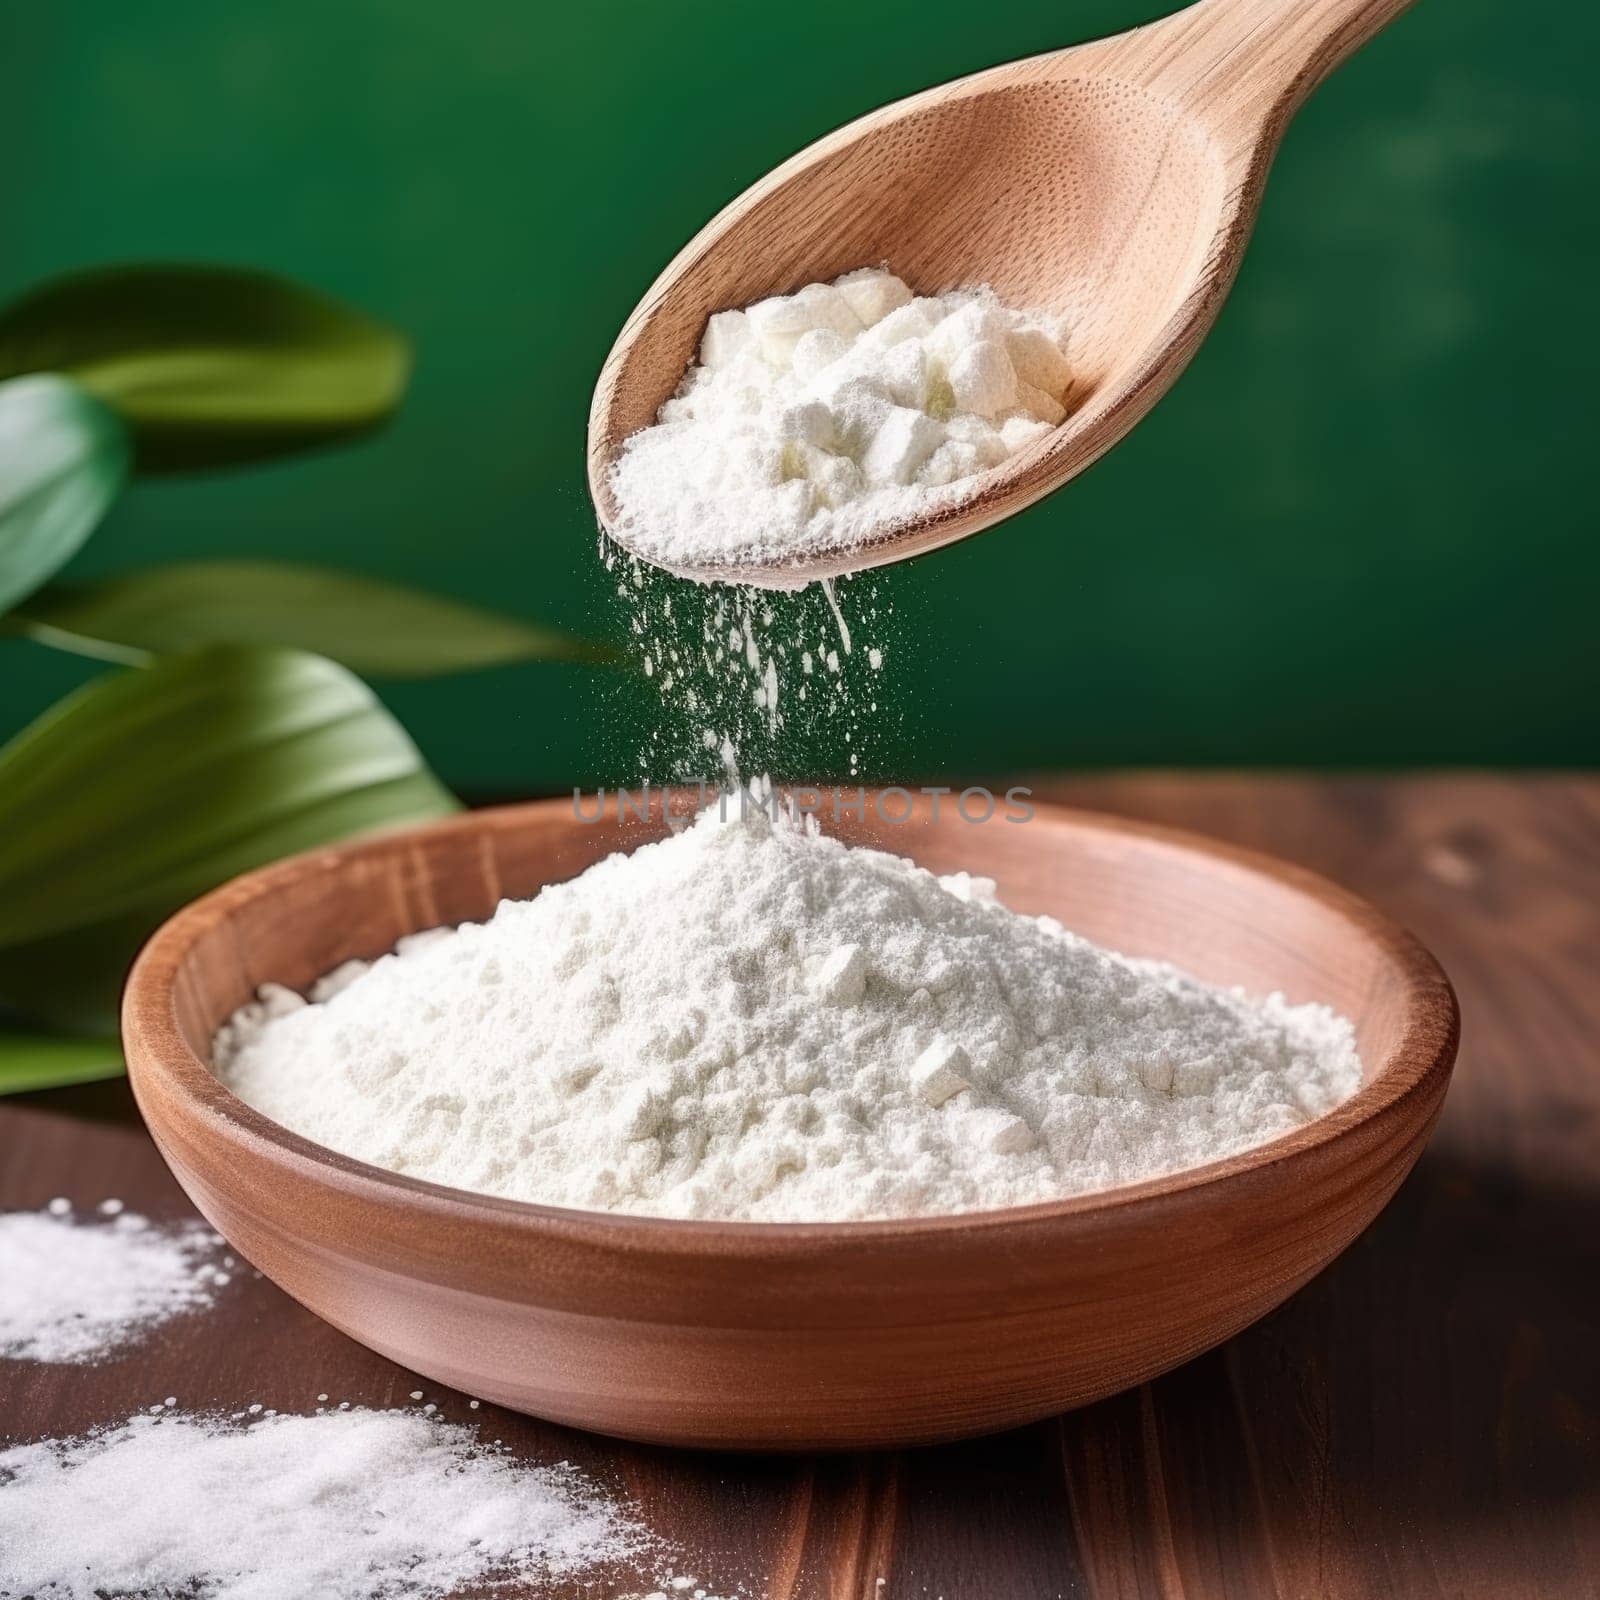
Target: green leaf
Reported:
[(378, 629), (210, 366), (144, 789), (63, 457), (73, 980), (48, 1061)]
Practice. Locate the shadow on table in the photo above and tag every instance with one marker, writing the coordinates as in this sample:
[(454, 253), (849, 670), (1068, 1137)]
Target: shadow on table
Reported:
[(1430, 1402), (1424, 1416)]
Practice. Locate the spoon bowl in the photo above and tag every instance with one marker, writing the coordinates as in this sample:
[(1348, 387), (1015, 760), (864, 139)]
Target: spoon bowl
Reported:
[(1114, 183), (810, 1335)]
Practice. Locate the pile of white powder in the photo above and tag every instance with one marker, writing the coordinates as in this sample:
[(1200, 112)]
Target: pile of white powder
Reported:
[(752, 1020), (76, 1289), (824, 417), (344, 1505)]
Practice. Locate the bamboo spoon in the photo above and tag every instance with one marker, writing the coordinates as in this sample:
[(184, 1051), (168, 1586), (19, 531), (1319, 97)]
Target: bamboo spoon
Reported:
[(1115, 182)]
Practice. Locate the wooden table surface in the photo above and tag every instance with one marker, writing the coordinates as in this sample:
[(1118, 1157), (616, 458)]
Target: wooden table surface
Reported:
[(1423, 1419)]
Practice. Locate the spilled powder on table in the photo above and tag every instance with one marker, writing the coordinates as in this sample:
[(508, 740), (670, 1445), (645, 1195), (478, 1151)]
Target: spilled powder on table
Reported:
[(343, 1505), (78, 1289)]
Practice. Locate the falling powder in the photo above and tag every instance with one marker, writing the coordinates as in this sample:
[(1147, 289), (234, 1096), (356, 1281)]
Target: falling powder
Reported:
[(751, 680), (78, 1290), (343, 1505), (838, 616)]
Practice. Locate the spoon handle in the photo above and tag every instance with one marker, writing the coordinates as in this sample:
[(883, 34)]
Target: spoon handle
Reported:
[(1253, 61)]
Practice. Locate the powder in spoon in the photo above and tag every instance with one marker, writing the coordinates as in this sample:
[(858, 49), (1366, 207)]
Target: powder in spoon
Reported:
[(824, 418), (753, 1020), (77, 1289), (344, 1505)]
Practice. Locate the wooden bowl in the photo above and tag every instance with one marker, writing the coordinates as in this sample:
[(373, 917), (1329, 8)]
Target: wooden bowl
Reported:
[(796, 1336)]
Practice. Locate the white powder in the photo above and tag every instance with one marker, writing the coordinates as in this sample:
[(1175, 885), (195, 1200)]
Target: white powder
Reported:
[(755, 680), (344, 1505), (74, 1291), (826, 417), (752, 1020)]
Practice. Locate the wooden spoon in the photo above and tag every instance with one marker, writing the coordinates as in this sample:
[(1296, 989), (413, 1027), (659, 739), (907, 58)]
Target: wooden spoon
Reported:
[(1115, 182)]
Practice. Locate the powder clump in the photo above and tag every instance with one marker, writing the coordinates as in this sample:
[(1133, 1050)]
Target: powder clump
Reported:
[(822, 418), (754, 1020)]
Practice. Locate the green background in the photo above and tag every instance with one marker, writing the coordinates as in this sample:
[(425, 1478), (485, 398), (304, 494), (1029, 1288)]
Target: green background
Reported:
[(1359, 530)]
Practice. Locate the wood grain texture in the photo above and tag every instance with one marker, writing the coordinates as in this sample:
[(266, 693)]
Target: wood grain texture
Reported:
[(1422, 1419), (817, 1336), (1115, 183)]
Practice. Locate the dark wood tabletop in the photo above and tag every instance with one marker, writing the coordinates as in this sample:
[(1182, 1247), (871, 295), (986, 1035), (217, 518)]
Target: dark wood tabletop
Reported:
[(1423, 1419)]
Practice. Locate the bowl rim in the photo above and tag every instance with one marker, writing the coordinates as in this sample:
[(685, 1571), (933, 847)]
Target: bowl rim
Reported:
[(157, 1053)]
